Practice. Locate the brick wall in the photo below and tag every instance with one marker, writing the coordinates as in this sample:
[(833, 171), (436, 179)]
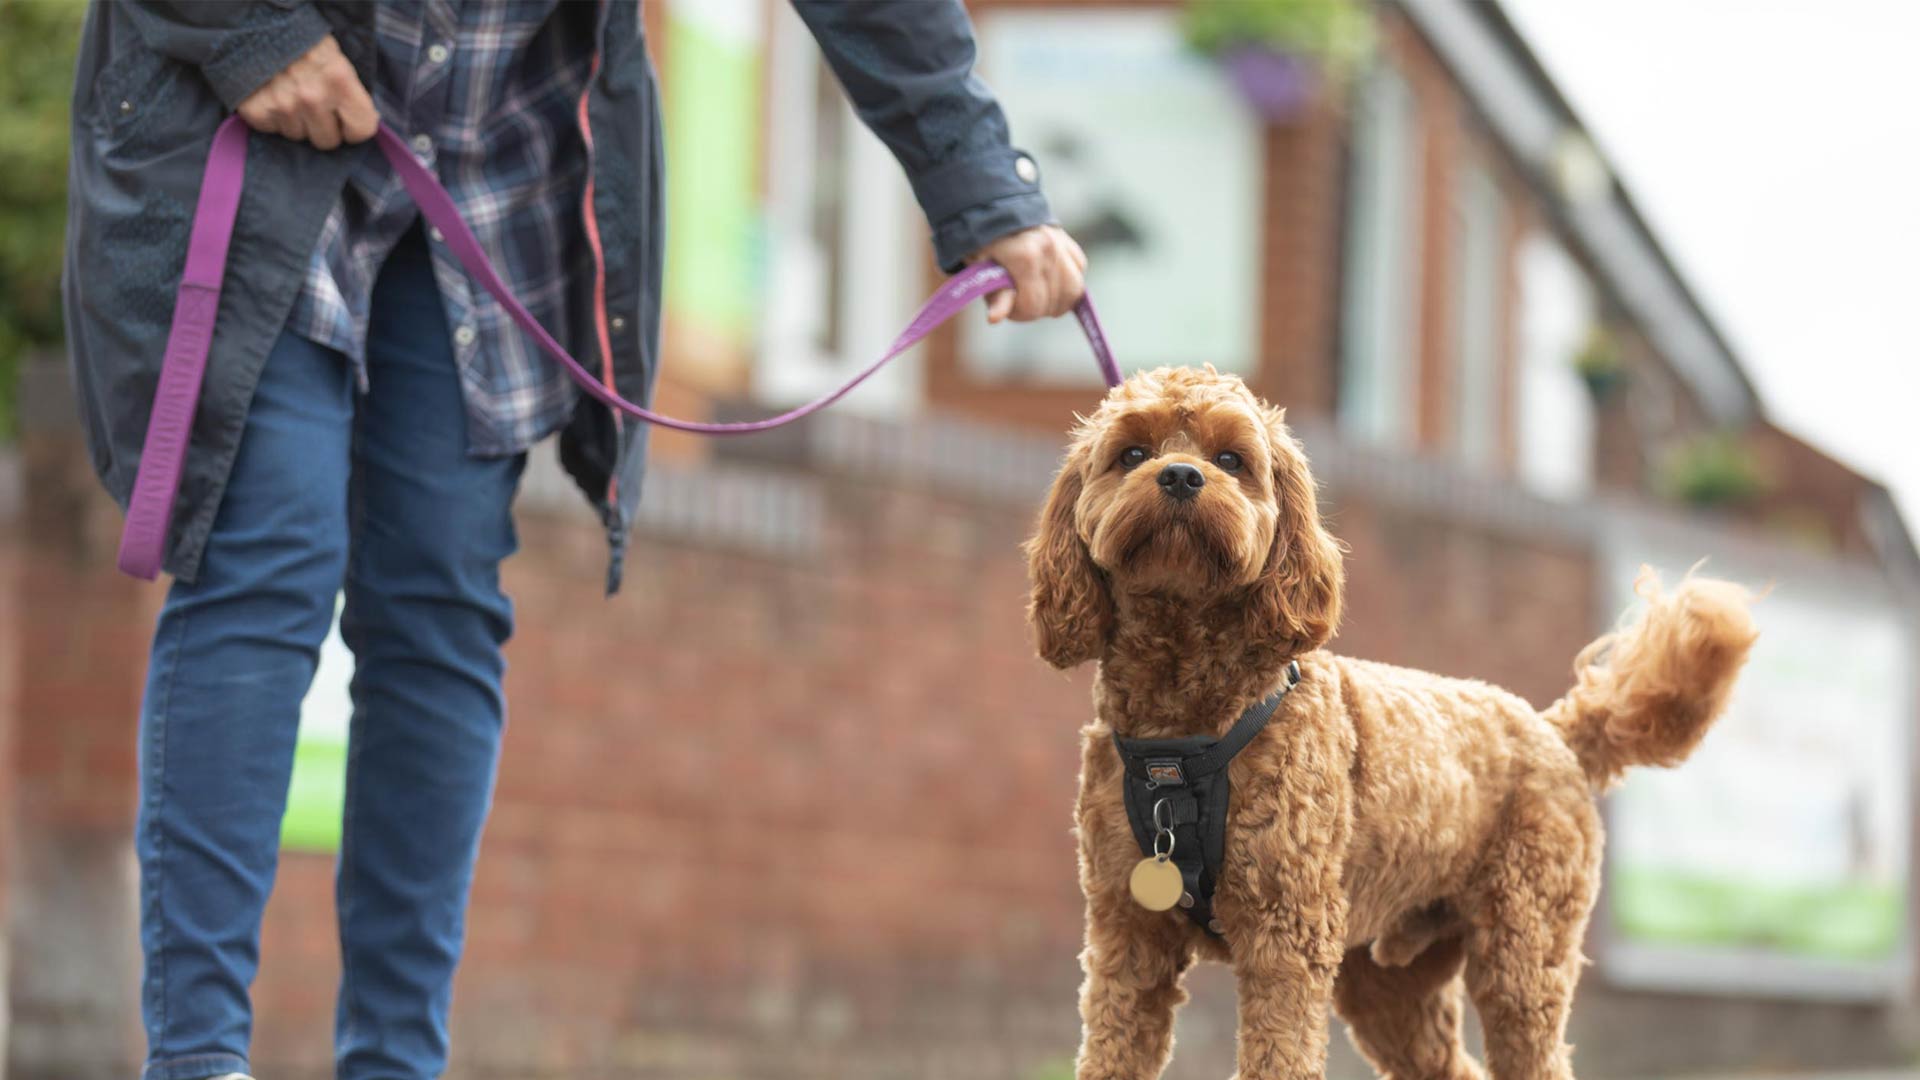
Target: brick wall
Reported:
[(1811, 496), (77, 636), (10, 582), (1301, 262)]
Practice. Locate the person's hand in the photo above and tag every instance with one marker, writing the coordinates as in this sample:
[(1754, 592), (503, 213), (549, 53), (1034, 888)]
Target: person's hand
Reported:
[(1047, 268), (317, 98)]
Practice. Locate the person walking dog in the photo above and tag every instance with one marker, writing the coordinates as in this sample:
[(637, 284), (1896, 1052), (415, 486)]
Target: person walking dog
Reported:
[(366, 412)]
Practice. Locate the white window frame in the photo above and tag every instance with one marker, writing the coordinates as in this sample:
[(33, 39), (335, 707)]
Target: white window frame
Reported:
[(1380, 296), (1553, 417), (1480, 239)]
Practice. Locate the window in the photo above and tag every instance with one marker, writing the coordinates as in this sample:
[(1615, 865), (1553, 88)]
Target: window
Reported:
[(1554, 411), (1380, 310), (1479, 251), (844, 262), (1154, 165)]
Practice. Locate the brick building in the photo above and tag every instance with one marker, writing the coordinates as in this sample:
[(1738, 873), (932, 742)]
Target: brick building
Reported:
[(796, 804)]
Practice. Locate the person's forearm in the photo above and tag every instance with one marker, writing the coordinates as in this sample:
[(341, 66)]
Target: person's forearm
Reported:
[(907, 66)]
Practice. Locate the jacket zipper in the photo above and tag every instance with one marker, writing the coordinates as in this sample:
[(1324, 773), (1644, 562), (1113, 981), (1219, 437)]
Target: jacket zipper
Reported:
[(592, 224)]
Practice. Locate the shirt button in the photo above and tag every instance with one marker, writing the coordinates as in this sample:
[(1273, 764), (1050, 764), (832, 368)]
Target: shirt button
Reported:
[(126, 107), (619, 323), (1025, 169), (437, 53), (422, 145), (464, 336), (434, 234)]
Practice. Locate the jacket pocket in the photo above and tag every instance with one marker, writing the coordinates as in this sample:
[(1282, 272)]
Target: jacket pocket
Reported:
[(131, 86)]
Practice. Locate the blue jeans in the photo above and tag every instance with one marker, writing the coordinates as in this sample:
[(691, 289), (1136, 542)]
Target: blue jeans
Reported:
[(377, 495)]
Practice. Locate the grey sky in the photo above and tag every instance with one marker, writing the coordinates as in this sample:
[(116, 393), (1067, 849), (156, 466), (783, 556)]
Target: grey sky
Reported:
[(1774, 146)]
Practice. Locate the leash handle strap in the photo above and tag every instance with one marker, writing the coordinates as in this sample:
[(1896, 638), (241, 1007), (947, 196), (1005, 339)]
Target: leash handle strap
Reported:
[(183, 367)]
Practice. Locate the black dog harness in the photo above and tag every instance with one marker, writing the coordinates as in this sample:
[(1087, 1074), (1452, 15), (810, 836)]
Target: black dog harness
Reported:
[(1176, 791)]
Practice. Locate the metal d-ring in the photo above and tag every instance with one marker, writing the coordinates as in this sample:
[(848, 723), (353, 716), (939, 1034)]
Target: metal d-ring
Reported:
[(1163, 856)]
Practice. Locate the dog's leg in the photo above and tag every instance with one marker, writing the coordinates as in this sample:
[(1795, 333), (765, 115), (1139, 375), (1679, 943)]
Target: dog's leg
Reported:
[(1405, 1019), (1285, 962), (1523, 992), (1523, 953), (1133, 961)]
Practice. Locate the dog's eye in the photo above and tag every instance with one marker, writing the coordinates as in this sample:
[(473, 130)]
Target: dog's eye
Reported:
[(1132, 455), (1227, 460)]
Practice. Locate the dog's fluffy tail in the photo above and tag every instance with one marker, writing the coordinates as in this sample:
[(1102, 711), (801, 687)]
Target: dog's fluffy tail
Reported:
[(1646, 694)]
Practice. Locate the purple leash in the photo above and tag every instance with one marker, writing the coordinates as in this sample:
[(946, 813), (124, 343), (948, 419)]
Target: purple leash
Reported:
[(184, 365)]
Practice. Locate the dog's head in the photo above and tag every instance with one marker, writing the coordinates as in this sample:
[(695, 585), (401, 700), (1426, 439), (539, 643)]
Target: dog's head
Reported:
[(1184, 485)]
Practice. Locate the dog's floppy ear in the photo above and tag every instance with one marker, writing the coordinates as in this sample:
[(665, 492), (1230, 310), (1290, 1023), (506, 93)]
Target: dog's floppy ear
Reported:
[(1296, 600), (1069, 608)]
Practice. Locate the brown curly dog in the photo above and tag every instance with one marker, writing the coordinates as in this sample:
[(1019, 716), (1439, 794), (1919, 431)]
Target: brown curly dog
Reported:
[(1392, 835)]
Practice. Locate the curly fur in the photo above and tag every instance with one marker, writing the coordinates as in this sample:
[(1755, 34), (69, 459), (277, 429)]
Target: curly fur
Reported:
[(1396, 840)]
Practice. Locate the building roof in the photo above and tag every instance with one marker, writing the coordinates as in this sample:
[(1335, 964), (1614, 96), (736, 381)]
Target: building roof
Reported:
[(1526, 112)]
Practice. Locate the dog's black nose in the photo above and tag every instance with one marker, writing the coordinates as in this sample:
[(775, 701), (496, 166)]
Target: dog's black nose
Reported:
[(1181, 481)]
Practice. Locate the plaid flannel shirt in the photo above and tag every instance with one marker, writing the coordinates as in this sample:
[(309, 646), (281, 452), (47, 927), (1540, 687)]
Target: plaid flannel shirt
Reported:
[(489, 95)]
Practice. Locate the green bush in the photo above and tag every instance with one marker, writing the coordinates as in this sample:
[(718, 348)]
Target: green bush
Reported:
[(37, 41), (1339, 33), (1713, 470), (1600, 362)]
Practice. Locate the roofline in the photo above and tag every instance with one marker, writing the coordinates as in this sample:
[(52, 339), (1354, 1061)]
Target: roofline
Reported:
[(1886, 529), (1500, 74), (1495, 13)]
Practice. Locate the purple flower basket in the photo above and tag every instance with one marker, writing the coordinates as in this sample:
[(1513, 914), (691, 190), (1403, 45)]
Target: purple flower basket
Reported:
[(1278, 85)]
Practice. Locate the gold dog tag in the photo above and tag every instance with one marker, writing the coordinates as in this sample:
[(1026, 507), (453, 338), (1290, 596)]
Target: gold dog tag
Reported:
[(1156, 884)]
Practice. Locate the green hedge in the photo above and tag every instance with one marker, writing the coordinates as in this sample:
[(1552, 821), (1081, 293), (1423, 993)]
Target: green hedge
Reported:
[(37, 41), (1842, 921)]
